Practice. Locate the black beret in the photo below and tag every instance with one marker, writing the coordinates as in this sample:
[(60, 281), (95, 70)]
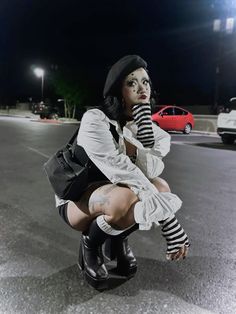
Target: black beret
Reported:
[(119, 71)]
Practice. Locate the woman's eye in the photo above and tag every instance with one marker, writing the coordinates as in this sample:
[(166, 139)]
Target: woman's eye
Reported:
[(131, 83), (146, 82)]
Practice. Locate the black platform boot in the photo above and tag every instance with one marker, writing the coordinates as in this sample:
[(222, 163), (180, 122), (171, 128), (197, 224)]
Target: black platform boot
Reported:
[(118, 247), (91, 258)]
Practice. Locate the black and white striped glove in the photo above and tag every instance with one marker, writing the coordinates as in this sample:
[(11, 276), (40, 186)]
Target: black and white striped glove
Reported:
[(142, 117), (174, 234)]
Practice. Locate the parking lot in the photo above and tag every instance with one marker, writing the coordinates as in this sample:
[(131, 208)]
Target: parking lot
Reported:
[(39, 252)]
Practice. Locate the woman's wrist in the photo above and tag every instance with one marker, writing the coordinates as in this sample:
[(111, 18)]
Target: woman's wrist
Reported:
[(141, 113), (142, 118)]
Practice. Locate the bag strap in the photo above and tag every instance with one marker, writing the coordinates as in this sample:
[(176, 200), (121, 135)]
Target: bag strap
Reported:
[(71, 141), (81, 152), (114, 132)]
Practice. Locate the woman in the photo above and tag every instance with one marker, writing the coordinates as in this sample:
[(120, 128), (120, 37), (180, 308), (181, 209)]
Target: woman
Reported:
[(126, 192)]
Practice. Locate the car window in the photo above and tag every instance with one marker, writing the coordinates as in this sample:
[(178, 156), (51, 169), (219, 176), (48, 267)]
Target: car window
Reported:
[(168, 112), (180, 112)]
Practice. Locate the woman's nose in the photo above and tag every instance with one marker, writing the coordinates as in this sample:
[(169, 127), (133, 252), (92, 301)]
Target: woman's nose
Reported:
[(141, 88)]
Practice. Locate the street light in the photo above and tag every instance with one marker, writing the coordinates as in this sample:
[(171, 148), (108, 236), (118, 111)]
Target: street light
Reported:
[(220, 26), (39, 72)]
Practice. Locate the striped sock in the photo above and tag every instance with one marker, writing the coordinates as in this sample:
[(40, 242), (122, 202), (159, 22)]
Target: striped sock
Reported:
[(174, 234), (142, 117)]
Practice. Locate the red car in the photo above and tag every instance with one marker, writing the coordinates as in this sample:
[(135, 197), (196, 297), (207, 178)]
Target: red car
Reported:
[(173, 118)]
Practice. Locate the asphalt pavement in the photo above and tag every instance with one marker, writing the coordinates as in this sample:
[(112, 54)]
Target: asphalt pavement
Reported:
[(39, 251)]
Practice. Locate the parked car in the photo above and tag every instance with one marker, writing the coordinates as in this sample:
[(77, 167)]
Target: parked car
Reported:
[(46, 110), (226, 122), (228, 106), (173, 118)]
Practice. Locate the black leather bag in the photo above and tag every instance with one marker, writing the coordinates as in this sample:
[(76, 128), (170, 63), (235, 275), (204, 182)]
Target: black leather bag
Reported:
[(70, 170), (66, 174)]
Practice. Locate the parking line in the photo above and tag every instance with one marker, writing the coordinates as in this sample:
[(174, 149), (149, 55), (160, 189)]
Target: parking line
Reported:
[(178, 143), (38, 152)]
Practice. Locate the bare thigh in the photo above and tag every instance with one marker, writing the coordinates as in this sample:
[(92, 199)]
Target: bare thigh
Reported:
[(161, 184), (78, 214), (115, 202)]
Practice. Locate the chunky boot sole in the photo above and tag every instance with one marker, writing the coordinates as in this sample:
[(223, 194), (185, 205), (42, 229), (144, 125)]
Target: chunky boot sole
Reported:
[(97, 284), (129, 273)]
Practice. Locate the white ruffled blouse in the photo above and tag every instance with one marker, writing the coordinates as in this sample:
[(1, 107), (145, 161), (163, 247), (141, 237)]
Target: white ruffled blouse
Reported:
[(110, 157)]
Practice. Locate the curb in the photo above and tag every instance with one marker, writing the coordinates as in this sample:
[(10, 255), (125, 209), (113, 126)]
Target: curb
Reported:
[(15, 116), (24, 114), (55, 121), (204, 132), (35, 118), (46, 121)]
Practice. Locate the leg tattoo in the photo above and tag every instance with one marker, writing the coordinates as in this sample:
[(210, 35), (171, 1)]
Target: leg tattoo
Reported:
[(97, 201), (102, 199)]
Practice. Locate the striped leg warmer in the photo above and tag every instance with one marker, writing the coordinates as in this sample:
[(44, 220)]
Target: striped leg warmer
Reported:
[(174, 234), (142, 117)]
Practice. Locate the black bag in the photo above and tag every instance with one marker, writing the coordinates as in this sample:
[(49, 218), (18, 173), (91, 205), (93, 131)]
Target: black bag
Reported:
[(70, 170)]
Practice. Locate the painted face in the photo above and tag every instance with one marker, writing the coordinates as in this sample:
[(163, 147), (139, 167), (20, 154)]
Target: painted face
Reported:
[(136, 89)]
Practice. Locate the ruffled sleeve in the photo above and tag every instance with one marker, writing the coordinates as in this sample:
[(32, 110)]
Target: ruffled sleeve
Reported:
[(149, 160)]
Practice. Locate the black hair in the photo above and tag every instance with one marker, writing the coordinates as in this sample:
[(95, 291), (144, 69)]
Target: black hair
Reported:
[(114, 110), (112, 105)]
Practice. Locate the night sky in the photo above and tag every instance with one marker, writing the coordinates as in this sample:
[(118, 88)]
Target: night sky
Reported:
[(175, 37)]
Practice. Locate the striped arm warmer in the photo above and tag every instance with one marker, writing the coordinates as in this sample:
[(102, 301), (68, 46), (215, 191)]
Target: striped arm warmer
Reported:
[(174, 234), (142, 118)]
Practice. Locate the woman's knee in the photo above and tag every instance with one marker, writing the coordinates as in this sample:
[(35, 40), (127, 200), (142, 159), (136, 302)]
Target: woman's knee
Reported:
[(122, 202), (113, 201), (161, 185)]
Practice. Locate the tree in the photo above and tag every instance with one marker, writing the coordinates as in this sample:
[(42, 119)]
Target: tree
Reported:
[(73, 91)]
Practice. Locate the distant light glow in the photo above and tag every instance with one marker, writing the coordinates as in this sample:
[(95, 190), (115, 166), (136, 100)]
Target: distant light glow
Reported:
[(224, 26), (229, 25), (216, 25), (230, 3), (39, 72)]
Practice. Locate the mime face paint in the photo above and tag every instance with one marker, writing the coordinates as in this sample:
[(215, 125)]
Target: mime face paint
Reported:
[(136, 89)]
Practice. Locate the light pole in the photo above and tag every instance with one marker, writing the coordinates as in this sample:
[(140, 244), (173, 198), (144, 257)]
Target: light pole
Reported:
[(39, 72), (221, 27)]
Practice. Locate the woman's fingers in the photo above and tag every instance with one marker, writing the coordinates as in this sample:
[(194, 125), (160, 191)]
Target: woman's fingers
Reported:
[(181, 253)]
